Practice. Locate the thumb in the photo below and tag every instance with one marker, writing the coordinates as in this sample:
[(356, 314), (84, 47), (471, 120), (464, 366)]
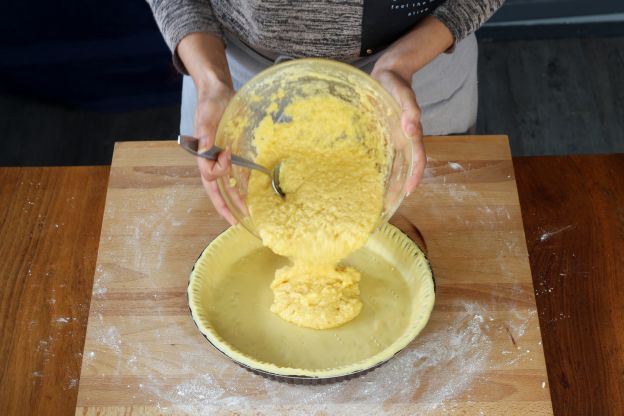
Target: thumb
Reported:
[(419, 162), (410, 111), (205, 130)]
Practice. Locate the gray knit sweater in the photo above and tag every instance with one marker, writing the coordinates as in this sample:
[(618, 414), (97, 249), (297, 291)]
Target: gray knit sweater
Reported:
[(323, 28)]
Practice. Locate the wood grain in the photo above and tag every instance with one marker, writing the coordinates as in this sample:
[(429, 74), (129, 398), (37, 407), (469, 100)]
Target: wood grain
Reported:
[(49, 226), (573, 210), (583, 346), (554, 97), (142, 347)]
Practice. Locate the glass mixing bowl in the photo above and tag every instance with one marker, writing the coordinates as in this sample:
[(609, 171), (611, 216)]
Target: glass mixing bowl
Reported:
[(273, 89)]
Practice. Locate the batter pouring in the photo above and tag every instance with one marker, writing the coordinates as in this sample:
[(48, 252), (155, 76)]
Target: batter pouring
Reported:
[(334, 163)]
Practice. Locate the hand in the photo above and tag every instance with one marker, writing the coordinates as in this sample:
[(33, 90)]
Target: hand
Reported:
[(401, 89), (394, 70), (203, 55), (211, 103)]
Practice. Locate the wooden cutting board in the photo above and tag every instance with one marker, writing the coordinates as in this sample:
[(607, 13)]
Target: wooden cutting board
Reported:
[(481, 352)]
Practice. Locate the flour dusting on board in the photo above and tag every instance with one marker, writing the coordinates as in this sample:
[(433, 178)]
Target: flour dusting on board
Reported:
[(455, 166), (433, 370), (452, 356)]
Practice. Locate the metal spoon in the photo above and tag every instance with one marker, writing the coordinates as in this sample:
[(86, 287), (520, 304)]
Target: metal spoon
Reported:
[(191, 145)]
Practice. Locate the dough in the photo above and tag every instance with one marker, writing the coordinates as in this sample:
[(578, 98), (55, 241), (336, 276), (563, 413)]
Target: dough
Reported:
[(334, 165)]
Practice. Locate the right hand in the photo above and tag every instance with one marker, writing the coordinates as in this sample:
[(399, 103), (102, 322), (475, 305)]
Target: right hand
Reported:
[(211, 103)]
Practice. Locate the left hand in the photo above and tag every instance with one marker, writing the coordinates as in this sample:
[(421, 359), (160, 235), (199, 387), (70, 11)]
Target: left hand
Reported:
[(400, 87)]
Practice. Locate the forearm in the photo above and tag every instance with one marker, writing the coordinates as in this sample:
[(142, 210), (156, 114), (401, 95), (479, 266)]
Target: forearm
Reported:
[(463, 17), (417, 48), (177, 19), (203, 55)]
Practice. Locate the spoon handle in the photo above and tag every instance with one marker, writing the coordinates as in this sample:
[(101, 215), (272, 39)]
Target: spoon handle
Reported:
[(191, 144)]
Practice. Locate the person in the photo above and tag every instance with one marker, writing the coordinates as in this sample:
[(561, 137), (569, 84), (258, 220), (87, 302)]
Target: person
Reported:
[(423, 52)]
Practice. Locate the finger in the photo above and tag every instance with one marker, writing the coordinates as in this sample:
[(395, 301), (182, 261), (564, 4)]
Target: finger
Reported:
[(401, 90), (237, 200), (419, 162), (204, 126), (205, 169), (212, 169), (205, 134), (217, 200), (221, 166), (410, 116), (206, 141)]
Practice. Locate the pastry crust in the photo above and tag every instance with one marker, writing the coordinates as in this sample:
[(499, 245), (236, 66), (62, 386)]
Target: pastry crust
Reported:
[(229, 299)]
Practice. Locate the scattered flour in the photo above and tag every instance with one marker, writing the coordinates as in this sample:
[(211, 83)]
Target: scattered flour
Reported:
[(457, 192), (548, 234), (455, 166), (102, 277), (460, 192), (44, 344), (436, 368), (110, 337), (72, 383), (98, 288)]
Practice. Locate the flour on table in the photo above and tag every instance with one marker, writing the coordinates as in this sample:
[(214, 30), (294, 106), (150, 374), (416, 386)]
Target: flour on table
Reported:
[(461, 350), (434, 370), (455, 166), (546, 235), (110, 337)]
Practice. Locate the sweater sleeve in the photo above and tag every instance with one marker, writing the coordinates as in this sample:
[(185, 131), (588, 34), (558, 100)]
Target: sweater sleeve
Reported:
[(178, 18), (463, 17)]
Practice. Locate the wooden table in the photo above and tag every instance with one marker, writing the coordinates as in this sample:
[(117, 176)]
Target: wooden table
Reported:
[(50, 222)]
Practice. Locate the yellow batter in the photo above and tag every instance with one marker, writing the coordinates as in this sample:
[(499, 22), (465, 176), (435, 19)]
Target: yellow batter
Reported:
[(334, 163)]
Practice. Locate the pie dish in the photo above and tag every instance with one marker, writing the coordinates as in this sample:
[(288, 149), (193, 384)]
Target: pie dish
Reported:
[(229, 298)]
